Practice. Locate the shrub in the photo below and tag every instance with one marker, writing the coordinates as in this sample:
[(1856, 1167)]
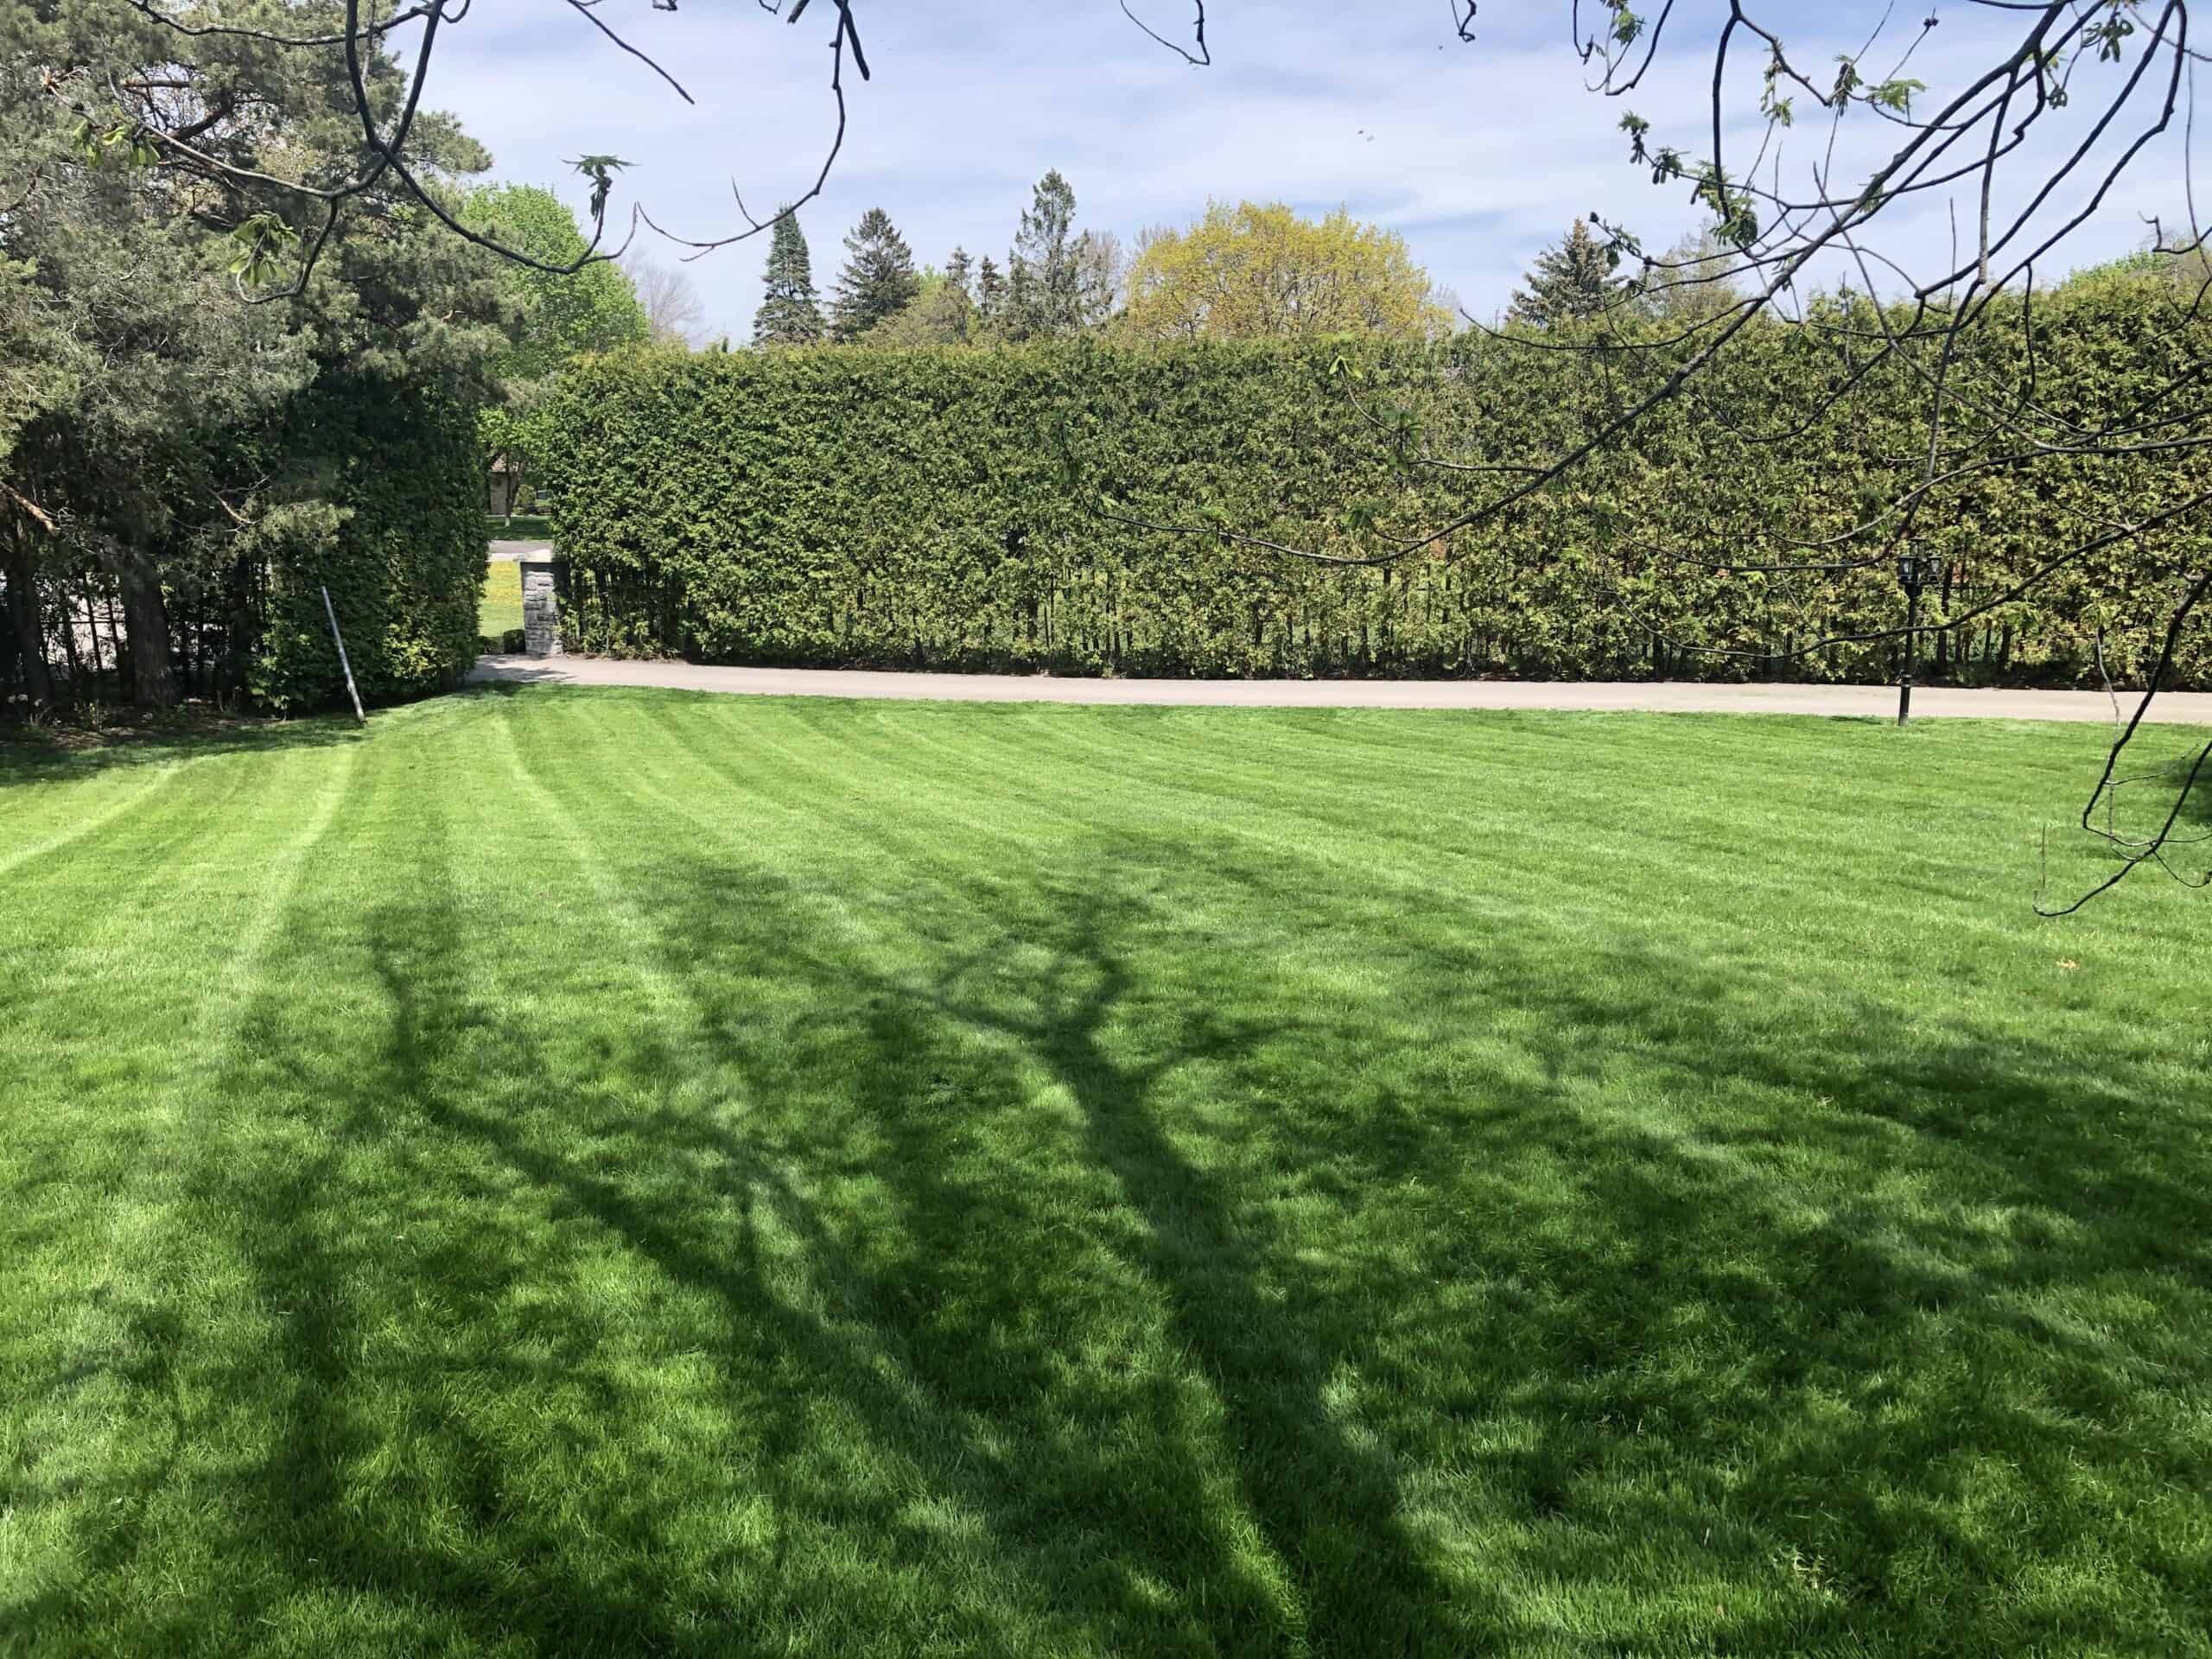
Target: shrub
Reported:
[(918, 509), (400, 544)]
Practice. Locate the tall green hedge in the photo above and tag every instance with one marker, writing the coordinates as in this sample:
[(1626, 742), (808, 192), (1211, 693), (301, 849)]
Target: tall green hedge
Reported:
[(397, 534), (917, 508)]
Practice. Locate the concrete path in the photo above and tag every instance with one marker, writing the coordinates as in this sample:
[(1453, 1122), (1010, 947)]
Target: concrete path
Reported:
[(508, 552), (1866, 702)]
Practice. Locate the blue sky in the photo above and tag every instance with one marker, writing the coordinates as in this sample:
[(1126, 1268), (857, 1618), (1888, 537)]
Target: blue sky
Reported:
[(1479, 155)]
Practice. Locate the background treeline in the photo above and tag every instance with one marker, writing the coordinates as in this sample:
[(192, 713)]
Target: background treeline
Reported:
[(932, 508), (1250, 271)]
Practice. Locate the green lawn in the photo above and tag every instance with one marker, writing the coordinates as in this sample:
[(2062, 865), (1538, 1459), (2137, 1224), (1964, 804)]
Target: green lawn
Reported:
[(500, 608), (621, 1172)]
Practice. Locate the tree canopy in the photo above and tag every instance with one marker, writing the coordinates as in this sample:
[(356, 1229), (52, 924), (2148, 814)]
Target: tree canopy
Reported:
[(1058, 281), (1696, 280), (878, 281), (152, 442), (561, 313), (674, 312), (943, 314), (1572, 282), (1258, 269), (790, 312)]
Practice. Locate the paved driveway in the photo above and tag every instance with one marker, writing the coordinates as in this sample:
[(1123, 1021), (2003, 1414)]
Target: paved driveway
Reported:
[(1857, 701)]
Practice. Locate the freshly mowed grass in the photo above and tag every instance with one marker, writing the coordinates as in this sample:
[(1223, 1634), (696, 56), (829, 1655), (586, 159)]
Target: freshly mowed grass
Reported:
[(621, 1172), (500, 608)]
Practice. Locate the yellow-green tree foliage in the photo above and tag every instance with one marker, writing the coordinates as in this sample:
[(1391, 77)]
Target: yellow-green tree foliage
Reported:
[(1257, 272)]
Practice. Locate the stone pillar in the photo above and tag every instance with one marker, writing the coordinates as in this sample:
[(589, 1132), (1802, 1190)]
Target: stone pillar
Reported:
[(543, 579)]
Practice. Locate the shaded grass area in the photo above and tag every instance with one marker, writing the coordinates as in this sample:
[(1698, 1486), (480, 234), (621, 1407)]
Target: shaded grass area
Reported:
[(500, 609), (89, 739), (604, 1172)]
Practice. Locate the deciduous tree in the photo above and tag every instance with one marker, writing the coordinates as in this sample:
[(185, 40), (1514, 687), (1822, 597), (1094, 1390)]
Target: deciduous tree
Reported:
[(674, 310), (942, 315), (561, 314), (1257, 269), (1695, 280)]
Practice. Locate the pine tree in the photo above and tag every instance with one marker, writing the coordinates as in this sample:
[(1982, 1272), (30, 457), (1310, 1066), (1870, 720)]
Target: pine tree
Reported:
[(1045, 269), (1018, 310), (991, 292), (790, 314), (959, 270), (878, 280), (1572, 280)]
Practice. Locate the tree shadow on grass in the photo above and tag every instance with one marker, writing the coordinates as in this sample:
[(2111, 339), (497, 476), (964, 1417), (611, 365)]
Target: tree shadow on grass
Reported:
[(920, 1333), (63, 754), (1677, 1300), (1336, 1565), (1043, 1270), (2196, 805), (939, 1342)]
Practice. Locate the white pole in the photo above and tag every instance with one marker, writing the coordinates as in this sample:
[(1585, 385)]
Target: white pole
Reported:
[(330, 611)]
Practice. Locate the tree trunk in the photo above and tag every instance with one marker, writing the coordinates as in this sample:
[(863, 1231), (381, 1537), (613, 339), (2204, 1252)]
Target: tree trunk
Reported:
[(146, 626), (24, 621), (10, 648)]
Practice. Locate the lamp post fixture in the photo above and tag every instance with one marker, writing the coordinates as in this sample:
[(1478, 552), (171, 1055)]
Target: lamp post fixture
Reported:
[(1914, 573)]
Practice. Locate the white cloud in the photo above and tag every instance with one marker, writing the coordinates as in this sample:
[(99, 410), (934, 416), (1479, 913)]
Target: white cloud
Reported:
[(1479, 154)]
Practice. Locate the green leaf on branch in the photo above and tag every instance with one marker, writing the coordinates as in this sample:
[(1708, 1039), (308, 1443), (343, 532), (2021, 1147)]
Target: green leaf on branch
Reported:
[(1636, 126), (126, 140), (600, 170), (1896, 95), (264, 241)]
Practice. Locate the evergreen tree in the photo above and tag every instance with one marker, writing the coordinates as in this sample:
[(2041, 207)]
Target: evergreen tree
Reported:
[(1045, 269), (790, 314), (991, 292), (878, 280), (1571, 281), (1018, 310), (158, 436), (959, 270)]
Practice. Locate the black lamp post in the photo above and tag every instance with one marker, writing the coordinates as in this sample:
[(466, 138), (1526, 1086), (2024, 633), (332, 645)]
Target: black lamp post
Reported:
[(1914, 573)]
